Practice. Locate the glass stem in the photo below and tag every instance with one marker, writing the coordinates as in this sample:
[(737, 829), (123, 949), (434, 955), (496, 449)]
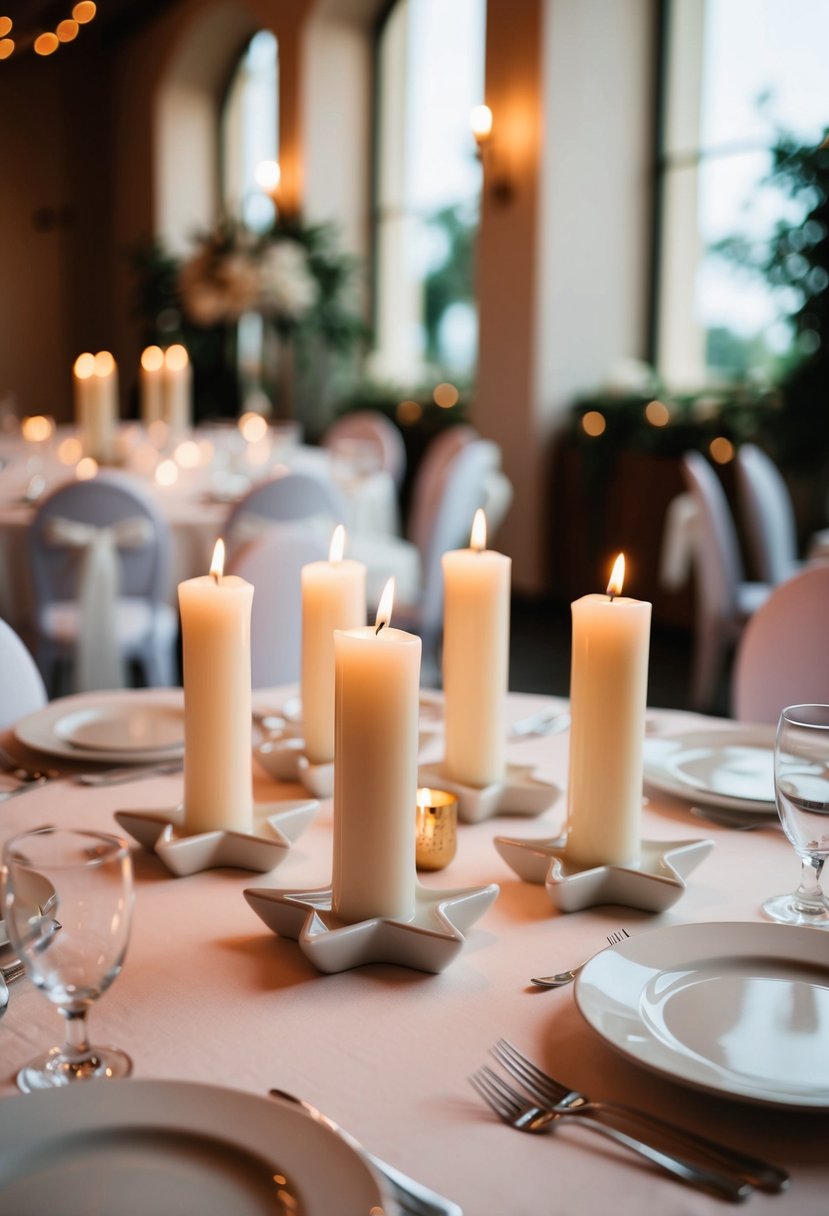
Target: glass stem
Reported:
[(809, 894), (77, 1049)]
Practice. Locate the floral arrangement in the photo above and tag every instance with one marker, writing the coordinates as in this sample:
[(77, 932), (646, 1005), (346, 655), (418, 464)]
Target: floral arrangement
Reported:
[(293, 275)]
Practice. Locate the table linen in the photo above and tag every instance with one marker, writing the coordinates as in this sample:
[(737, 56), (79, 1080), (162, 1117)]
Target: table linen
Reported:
[(208, 994)]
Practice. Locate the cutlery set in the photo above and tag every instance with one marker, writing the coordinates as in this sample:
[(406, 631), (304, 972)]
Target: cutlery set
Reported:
[(542, 1103)]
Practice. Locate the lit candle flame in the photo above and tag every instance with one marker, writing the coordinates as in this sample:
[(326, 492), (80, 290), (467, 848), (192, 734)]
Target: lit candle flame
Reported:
[(217, 565), (176, 358), (385, 606), (337, 547), (85, 365), (477, 540), (152, 358), (480, 120), (617, 577)]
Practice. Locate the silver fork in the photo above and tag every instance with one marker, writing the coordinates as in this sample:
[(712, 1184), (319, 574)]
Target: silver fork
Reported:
[(566, 977), (544, 1088), (527, 1116)]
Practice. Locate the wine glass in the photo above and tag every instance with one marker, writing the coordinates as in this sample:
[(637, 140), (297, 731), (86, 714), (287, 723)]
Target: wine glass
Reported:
[(801, 784), (73, 943)]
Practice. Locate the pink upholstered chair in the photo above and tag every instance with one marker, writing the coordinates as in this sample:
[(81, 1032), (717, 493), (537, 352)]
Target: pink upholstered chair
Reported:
[(768, 515), (783, 655), (725, 599), (273, 562), (430, 480), (374, 428), (22, 690)]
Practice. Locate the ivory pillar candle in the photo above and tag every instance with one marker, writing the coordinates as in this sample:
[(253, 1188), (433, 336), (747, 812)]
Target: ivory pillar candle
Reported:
[(215, 628), (333, 597), (608, 695), (152, 385), (178, 390), (476, 659), (377, 686), (99, 402), (83, 388)]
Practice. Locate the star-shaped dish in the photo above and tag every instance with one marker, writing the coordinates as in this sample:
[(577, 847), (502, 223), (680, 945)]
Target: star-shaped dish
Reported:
[(520, 793), (284, 757), (427, 942), (653, 883), (160, 832)]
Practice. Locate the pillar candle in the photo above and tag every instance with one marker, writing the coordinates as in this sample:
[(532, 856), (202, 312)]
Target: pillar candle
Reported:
[(215, 628), (178, 390), (152, 385), (377, 685), (100, 408), (82, 388), (476, 659), (333, 597), (608, 695)]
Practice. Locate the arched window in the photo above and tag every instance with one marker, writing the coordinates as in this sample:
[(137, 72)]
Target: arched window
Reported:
[(250, 131), (430, 59)]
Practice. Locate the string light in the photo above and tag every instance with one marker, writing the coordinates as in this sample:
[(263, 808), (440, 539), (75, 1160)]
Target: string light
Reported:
[(46, 42)]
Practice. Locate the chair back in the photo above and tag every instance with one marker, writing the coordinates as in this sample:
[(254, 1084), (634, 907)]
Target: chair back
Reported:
[(104, 501), (464, 492), (768, 514), (373, 428), (273, 563), (22, 690), (719, 565), (283, 499), (430, 480), (783, 655)]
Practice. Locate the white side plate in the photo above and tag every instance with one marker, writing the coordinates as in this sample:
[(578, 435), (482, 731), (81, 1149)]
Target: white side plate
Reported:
[(732, 766), (740, 1009), (48, 729)]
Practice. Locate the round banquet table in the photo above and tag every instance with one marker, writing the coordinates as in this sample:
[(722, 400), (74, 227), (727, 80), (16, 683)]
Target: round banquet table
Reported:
[(209, 994)]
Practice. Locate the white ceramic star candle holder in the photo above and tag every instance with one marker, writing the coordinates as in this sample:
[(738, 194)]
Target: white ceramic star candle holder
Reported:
[(653, 882), (519, 792), (428, 941), (276, 826)]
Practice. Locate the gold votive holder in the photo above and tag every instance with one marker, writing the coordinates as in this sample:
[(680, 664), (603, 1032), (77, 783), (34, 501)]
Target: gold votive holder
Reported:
[(436, 828)]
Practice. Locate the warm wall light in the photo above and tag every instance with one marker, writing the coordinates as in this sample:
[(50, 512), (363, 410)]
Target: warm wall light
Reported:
[(267, 175), (495, 178)]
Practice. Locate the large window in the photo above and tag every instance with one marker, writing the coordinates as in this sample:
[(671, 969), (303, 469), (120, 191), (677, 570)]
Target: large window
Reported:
[(249, 132), (430, 74), (738, 72)]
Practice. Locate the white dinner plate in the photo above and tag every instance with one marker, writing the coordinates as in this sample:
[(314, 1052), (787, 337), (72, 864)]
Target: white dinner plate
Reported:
[(731, 766), (124, 728), (107, 726), (170, 1146), (739, 1009)]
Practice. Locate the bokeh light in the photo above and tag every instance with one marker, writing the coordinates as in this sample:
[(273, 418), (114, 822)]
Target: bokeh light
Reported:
[(593, 423), (721, 449)]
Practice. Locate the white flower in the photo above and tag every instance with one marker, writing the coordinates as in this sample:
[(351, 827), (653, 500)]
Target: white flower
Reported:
[(287, 287)]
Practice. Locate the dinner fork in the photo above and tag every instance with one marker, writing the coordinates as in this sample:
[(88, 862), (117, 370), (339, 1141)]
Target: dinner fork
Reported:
[(527, 1116), (25, 773), (544, 1088), (566, 977)]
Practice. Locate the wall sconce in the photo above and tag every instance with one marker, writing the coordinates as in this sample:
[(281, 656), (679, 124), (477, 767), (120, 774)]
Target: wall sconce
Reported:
[(495, 177)]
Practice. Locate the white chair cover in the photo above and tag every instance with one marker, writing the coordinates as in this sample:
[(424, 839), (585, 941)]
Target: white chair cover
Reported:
[(97, 660)]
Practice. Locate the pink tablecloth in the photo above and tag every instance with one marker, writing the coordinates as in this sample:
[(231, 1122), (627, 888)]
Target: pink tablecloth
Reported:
[(208, 994)]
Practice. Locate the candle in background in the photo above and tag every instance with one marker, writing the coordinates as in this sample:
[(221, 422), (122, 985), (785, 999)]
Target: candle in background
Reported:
[(608, 695), (215, 629), (152, 385), (475, 659), (333, 597), (98, 404), (83, 387), (375, 769), (178, 389)]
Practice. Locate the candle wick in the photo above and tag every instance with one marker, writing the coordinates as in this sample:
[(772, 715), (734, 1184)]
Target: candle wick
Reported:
[(216, 576), (379, 626), (612, 595)]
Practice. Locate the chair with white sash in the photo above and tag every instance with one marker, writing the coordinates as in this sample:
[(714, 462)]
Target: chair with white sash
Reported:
[(286, 498), (22, 690), (100, 560)]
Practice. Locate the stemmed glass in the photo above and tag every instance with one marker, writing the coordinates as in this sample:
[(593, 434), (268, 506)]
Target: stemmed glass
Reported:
[(73, 943), (801, 784)]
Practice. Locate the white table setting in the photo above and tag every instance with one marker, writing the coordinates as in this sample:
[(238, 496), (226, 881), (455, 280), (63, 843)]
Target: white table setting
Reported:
[(374, 992)]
